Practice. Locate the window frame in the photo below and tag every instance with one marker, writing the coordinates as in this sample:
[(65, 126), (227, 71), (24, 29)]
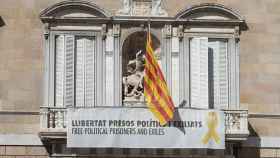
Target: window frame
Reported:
[(233, 61), (52, 65)]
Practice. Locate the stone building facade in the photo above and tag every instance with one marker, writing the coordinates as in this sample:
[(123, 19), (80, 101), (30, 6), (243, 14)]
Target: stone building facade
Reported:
[(33, 81)]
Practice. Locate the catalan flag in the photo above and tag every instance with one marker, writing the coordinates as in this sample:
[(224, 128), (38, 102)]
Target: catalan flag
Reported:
[(155, 88)]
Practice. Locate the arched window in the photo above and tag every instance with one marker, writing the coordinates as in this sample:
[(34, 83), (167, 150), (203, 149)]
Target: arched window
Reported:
[(133, 60), (73, 54), (211, 46)]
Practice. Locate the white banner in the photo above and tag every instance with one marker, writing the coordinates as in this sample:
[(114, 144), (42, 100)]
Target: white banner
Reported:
[(137, 128)]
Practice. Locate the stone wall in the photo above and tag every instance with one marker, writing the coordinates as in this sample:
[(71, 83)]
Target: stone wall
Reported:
[(21, 61), (23, 152)]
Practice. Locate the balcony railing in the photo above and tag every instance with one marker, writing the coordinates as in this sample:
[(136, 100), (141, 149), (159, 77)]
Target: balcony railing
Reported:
[(54, 120), (236, 124)]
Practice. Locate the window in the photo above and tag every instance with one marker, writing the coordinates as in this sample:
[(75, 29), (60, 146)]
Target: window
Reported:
[(94, 59), (74, 57), (209, 72), (209, 56), (75, 70)]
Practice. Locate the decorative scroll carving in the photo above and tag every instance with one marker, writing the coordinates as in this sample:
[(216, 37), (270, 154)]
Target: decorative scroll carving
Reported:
[(236, 32), (116, 30), (236, 122), (46, 30), (168, 31), (126, 8), (181, 32), (104, 31), (142, 8), (157, 8)]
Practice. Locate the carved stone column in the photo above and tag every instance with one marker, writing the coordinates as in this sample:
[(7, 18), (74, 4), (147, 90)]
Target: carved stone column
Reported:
[(46, 64), (117, 65), (167, 45)]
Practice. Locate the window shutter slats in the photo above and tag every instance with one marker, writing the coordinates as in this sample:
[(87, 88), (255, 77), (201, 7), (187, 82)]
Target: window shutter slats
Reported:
[(69, 70), (85, 72), (223, 72), (195, 71), (89, 72), (204, 92), (220, 76), (199, 72), (215, 77), (59, 74), (80, 73)]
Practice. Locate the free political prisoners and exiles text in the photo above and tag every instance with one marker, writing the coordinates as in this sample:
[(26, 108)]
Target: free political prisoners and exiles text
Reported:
[(127, 127)]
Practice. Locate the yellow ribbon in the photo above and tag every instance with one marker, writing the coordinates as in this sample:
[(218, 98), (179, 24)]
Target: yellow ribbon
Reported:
[(212, 123)]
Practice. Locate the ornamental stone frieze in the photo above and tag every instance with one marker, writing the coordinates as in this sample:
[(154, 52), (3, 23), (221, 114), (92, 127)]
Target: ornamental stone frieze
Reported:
[(142, 8)]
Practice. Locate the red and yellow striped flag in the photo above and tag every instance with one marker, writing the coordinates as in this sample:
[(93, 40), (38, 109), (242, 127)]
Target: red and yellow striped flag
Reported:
[(155, 88)]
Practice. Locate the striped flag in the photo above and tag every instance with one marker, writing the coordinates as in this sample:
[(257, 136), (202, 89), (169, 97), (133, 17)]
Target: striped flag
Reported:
[(155, 88)]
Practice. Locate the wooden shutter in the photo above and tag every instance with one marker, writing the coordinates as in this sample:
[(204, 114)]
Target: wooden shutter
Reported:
[(199, 72), (223, 72), (214, 76), (220, 73), (80, 85), (89, 72), (85, 72), (69, 70), (204, 92), (59, 70)]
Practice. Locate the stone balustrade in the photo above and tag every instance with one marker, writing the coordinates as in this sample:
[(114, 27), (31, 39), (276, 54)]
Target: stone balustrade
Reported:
[(54, 120)]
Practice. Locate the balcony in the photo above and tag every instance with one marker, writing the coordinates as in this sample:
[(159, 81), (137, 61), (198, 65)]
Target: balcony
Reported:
[(236, 124), (54, 120)]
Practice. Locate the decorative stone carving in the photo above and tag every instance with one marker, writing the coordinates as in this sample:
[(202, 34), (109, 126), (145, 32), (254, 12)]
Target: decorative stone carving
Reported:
[(116, 30), (157, 8), (142, 8), (236, 122), (236, 32), (133, 83), (181, 32), (168, 31), (104, 31), (46, 30), (126, 8)]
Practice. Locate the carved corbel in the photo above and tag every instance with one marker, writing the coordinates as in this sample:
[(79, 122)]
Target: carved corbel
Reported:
[(236, 32), (116, 30), (168, 31), (46, 30), (181, 32), (142, 27), (104, 31)]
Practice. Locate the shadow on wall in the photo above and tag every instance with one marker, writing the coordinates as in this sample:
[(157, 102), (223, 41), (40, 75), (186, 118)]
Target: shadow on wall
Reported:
[(253, 151), (1, 22)]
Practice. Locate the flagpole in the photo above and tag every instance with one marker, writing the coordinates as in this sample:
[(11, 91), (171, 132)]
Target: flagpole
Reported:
[(149, 26)]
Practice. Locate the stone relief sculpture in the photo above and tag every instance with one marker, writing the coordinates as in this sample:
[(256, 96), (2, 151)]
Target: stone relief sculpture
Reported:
[(139, 8), (126, 8), (133, 83), (157, 8)]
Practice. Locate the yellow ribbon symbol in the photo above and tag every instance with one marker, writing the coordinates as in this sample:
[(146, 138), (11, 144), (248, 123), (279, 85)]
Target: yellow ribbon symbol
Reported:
[(212, 123)]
